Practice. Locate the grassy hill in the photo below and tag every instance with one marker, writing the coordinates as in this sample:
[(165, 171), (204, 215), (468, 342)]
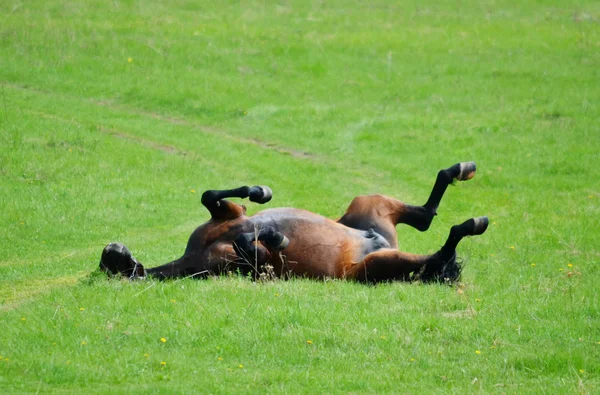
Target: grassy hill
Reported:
[(116, 116)]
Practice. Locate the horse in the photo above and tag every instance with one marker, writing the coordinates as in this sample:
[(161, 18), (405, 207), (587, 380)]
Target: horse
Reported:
[(288, 242)]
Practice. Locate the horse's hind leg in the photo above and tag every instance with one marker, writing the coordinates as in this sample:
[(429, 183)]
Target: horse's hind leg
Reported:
[(219, 208), (382, 213), (394, 265), (420, 217)]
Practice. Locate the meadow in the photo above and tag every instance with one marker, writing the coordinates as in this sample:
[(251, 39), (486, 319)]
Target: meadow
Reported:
[(116, 116)]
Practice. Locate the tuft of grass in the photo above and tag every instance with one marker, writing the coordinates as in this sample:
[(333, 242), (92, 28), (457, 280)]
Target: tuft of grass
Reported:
[(115, 117)]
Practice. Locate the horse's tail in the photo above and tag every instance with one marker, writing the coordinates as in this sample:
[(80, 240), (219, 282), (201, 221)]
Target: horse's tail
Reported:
[(439, 270)]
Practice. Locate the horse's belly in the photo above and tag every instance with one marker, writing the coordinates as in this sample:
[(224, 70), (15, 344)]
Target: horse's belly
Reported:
[(319, 247)]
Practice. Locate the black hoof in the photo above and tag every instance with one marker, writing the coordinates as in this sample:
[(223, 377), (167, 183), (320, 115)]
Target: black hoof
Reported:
[(260, 194), (284, 243), (273, 239), (480, 225), (467, 171), (117, 260)]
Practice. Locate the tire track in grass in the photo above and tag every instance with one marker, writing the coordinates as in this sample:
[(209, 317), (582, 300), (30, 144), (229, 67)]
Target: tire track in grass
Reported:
[(367, 177), (31, 289), (179, 121), (208, 130), (363, 175)]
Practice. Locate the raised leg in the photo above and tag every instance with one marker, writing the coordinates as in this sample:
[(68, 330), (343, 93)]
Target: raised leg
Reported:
[(222, 209), (393, 265), (255, 249), (382, 213)]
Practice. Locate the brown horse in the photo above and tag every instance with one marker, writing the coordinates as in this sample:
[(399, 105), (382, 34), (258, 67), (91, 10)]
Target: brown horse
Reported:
[(361, 245)]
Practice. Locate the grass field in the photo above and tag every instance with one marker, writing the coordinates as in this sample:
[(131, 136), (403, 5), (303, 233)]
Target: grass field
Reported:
[(115, 116)]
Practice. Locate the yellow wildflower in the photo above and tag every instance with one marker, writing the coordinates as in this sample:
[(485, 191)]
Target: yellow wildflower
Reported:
[(81, 309), (309, 342), (163, 363), (83, 343), (477, 352), (533, 264), (241, 366), (163, 340), (569, 265), (129, 60), (219, 359)]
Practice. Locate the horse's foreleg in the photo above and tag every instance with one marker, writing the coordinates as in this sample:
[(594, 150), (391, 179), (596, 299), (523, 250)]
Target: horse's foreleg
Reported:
[(254, 249), (393, 265), (219, 208)]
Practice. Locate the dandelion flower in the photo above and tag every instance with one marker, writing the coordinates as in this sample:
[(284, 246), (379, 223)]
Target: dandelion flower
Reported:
[(172, 300), (477, 352), (512, 247), (23, 319), (309, 342), (569, 265), (581, 371), (276, 295), (163, 363), (83, 343), (533, 264), (129, 60), (241, 366), (163, 340), (219, 359), (81, 309), (412, 360), (192, 190)]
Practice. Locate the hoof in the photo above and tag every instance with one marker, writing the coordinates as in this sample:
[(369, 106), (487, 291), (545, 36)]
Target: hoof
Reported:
[(284, 243), (260, 194), (117, 260), (467, 171), (480, 225)]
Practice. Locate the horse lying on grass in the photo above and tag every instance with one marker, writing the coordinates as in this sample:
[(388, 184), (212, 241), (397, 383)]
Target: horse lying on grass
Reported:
[(361, 245)]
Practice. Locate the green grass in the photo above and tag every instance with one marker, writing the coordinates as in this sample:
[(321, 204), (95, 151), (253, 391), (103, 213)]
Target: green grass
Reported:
[(115, 116)]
